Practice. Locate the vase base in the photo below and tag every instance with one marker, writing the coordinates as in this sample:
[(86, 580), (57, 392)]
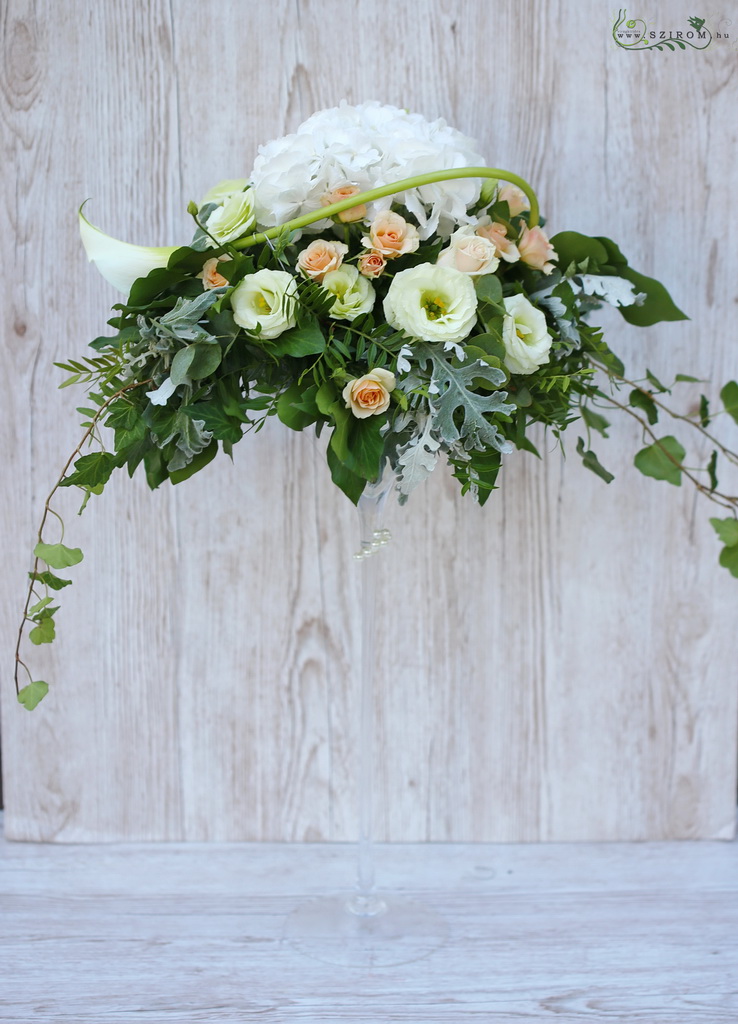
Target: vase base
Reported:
[(394, 931)]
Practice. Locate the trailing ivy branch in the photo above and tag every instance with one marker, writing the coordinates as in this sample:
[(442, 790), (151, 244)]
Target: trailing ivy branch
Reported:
[(730, 391), (56, 556)]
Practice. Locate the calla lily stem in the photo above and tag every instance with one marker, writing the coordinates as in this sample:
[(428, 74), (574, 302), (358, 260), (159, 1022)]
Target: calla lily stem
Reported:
[(391, 189)]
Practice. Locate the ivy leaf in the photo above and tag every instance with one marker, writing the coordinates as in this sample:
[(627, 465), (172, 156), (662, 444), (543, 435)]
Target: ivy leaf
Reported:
[(306, 340), (729, 398), (712, 470), (92, 471), (351, 484), (643, 401), (359, 444), (594, 420), (290, 412), (657, 306), (43, 632), (573, 247), (704, 411), (590, 460), (659, 460), (40, 605), (727, 531), (32, 695), (55, 582), (58, 556), (729, 559), (195, 464)]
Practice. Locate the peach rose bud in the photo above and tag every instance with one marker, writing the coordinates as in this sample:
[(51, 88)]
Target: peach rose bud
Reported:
[(345, 192), (515, 198), (371, 264), (210, 276), (369, 395), (496, 234), (320, 257), (391, 235), (536, 250)]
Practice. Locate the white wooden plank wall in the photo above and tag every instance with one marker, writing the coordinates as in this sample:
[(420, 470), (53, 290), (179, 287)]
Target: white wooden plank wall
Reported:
[(559, 665)]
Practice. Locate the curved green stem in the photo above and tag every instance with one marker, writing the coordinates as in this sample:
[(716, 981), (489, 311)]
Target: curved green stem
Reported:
[(391, 189)]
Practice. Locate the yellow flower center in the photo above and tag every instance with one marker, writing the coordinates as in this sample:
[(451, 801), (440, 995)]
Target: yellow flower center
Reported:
[(434, 306), (262, 305)]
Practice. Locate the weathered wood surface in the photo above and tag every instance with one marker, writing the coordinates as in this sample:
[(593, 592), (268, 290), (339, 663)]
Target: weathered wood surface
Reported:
[(624, 933), (558, 665)]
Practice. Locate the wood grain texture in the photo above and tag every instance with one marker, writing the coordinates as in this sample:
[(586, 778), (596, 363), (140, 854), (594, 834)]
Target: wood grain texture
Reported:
[(190, 933), (556, 666)]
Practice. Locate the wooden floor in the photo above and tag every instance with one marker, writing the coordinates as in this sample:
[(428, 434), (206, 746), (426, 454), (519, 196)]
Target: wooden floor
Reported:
[(185, 934)]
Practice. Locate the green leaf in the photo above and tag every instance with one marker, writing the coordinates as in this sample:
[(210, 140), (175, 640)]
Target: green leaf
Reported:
[(657, 306), (729, 559), (289, 414), (58, 556), (92, 470), (592, 463), (594, 420), (729, 398), (197, 463), (48, 578), (195, 362), (32, 695), (727, 531), (656, 383), (306, 340), (359, 444), (490, 343), (571, 247), (712, 470), (643, 401), (349, 482), (704, 411), (44, 632), (40, 605), (684, 378), (659, 460), (489, 289), (224, 426)]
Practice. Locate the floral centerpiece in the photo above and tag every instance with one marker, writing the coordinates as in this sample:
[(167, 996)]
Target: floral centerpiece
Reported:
[(373, 279)]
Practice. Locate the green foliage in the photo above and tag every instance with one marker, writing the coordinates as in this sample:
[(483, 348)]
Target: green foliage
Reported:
[(58, 556), (92, 471), (590, 460), (729, 398), (727, 531), (32, 695), (594, 420), (662, 460), (643, 400), (658, 304), (49, 580), (44, 631)]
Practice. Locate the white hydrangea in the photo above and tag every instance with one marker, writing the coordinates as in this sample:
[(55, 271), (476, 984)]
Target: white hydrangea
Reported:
[(367, 145)]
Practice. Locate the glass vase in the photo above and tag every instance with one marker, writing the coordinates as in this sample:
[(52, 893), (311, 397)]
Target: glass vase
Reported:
[(366, 927)]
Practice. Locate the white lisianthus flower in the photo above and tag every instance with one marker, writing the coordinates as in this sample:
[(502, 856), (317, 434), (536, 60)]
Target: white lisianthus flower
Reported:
[(233, 219), (470, 253), (431, 303), (223, 191), (366, 146), (354, 294), (524, 335), (369, 395), (268, 298)]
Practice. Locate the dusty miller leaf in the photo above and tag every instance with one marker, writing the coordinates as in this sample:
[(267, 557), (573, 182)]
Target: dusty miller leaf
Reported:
[(451, 388)]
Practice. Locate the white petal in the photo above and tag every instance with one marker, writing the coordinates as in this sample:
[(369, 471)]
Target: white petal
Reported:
[(119, 262)]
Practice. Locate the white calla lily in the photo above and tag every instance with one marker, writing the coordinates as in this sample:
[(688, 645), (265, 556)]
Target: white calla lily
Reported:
[(120, 263)]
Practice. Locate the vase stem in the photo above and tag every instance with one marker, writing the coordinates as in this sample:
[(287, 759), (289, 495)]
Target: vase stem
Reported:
[(365, 902)]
